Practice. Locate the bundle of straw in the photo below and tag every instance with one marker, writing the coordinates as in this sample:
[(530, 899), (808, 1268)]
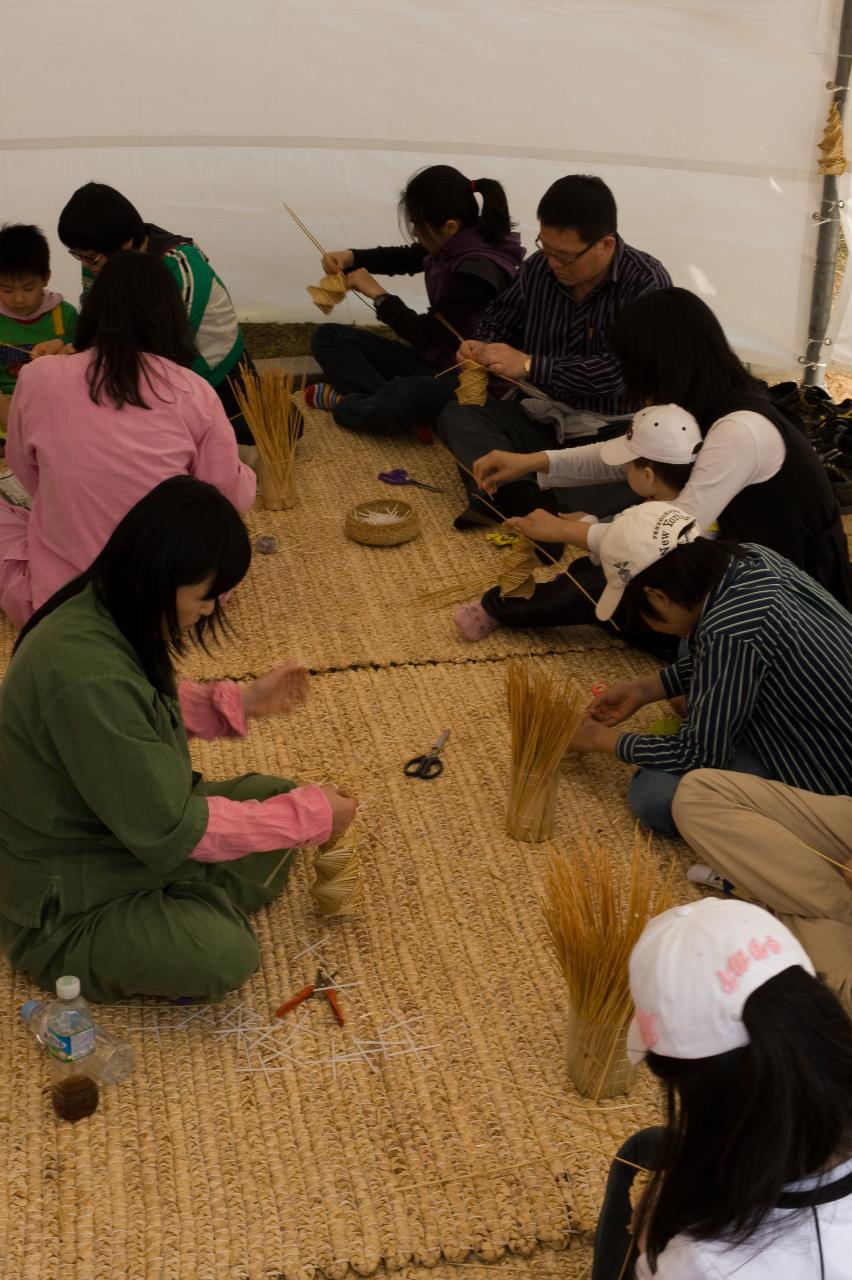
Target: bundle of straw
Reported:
[(269, 408), (329, 291), (516, 580), (544, 712), (473, 383), (337, 884), (595, 909)]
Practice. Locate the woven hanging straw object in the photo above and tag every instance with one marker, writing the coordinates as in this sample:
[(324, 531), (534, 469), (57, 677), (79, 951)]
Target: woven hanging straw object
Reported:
[(329, 291), (833, 162)]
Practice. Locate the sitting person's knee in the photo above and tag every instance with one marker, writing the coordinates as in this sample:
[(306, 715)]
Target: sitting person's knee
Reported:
[(650, 796)]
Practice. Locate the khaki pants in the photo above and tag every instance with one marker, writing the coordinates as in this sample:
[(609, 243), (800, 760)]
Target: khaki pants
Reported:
[(755, 833)]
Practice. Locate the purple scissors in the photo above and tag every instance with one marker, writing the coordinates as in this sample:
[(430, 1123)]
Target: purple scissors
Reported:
[(401, 476)]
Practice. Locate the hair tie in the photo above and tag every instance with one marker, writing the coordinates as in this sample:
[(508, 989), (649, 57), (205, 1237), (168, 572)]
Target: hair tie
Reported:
[(473, 184)]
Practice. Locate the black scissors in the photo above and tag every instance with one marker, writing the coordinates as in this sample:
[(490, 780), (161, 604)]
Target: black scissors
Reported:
[(428, 765)]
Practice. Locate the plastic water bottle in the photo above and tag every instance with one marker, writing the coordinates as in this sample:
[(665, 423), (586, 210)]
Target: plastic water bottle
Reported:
[(70, 1034), (114, 1057)]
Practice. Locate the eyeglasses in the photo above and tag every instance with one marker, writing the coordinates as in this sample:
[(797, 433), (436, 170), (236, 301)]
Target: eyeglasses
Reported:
[(87, 259), (564, 259)]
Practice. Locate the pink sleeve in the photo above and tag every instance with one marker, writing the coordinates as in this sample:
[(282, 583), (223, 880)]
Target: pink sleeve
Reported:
[(19, 457), (213, 710), (218, 461), (237, 827)]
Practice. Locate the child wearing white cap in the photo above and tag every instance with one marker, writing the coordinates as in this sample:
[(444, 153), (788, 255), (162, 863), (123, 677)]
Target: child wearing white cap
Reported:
[(657, 455), (767, 675), (752, 1176)]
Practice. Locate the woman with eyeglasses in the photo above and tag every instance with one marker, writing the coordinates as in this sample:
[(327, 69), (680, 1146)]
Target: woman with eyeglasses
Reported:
[(98, 221), (751, 1177), (91, 433), (118, 863), (467, 254), (756, 478)]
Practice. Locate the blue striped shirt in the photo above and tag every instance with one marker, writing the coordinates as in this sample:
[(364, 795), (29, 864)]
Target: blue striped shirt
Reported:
[(567, 339), (769, 667)]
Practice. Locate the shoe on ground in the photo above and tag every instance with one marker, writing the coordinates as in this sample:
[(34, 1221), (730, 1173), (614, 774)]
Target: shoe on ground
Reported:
[(700, 873)]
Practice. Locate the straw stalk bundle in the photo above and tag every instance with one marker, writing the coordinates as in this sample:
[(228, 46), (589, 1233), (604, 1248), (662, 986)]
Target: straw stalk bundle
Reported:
[(595, 908), (473, 383), (544, 712), (269, 408)]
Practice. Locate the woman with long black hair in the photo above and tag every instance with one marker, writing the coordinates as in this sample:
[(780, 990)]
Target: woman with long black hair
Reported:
[(92, 433), (756, 477), (752, 1174), (117, 862), (467, 255)]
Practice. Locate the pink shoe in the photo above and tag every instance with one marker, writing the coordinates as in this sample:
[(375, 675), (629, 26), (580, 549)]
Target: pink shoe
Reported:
[(473, 621)]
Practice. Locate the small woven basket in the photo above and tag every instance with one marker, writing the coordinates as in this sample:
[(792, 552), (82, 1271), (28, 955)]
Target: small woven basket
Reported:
[(403, 528)]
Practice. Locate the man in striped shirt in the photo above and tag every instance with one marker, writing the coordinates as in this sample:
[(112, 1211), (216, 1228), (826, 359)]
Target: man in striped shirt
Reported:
[(768, 673), (550, 328)]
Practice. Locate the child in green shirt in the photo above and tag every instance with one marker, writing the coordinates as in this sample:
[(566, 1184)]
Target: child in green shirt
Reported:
[(30, 315), (98, 221)]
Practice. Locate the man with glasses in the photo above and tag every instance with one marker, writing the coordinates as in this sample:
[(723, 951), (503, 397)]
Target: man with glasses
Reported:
[(549, 329)]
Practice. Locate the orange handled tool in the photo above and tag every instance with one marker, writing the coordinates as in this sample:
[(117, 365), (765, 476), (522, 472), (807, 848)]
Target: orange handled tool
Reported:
[(321, 985)]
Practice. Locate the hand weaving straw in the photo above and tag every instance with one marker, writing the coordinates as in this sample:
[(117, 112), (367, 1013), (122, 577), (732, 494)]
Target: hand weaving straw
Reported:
[(595, 911)]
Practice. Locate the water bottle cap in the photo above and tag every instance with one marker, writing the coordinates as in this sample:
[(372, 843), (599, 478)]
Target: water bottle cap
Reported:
[(28, 1008), (67, 988)]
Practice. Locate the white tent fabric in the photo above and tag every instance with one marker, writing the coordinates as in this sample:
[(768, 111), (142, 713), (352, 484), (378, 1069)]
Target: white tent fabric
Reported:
[(703, 115)]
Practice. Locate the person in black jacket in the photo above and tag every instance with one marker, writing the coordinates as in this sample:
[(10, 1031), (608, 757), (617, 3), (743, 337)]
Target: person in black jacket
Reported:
[(468, 256)]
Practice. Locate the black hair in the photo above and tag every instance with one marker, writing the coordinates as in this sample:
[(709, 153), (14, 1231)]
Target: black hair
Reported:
[(24, 251), (673, 474), (581, 203), (440, 192), (181, 533), (100, 218), (685, 574), (134, 309), (742, 1124), (672, 350)]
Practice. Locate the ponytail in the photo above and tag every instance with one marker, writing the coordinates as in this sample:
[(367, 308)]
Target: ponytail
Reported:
[(438, 193)]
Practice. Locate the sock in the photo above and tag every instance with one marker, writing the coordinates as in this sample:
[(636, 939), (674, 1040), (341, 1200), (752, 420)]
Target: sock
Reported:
[(321, 395), (473, 621)]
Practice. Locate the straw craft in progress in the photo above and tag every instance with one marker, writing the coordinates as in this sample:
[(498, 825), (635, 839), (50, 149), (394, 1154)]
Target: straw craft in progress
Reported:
[(329, 291), (516, 581), (268, 406), (337, 884), (544, 712), (595, 909), (473, 383)]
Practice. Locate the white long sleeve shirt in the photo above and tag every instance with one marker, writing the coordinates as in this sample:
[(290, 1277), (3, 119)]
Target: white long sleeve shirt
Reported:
[(741, 449)]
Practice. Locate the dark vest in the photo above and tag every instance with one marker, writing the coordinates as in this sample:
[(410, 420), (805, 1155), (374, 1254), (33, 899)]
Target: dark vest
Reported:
[(795, 512)]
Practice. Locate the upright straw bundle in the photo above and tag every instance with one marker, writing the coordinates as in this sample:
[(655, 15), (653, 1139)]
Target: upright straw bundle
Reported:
[(595, 909), (329, 291), (337, 884), (544, 712), (268, 407), (473, 383)]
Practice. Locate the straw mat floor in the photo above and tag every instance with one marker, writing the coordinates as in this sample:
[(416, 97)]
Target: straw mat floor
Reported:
[(334, 603)]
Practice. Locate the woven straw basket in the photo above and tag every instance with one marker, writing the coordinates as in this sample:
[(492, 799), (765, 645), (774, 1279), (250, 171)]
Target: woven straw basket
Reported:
[(382, 535)]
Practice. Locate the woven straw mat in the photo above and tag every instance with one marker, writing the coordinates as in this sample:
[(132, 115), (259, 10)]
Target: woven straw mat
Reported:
[(437, 1131), (333, 603)]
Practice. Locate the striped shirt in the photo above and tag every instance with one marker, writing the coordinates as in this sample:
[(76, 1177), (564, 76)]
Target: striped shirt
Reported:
[(567, 339), (770, 668)]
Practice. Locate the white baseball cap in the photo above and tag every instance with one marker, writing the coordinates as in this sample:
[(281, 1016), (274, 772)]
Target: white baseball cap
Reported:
[(635, 539), (692, 971), (661, 433)]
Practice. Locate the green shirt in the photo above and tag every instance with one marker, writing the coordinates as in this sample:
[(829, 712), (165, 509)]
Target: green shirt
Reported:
[(61, 322), (96, 784)]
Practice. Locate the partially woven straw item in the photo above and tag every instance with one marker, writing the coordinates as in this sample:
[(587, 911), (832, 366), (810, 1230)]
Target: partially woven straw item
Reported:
[(473, 383), (833, 161), (382, 523), (329, 291), (337, 884)]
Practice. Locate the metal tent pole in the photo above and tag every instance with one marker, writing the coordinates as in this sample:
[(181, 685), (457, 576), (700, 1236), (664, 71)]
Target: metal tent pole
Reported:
[(829, 232)]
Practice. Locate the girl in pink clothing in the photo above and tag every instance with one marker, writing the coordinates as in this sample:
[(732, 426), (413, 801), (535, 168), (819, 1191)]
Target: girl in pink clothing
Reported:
[(117, 862), (91, 433)]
